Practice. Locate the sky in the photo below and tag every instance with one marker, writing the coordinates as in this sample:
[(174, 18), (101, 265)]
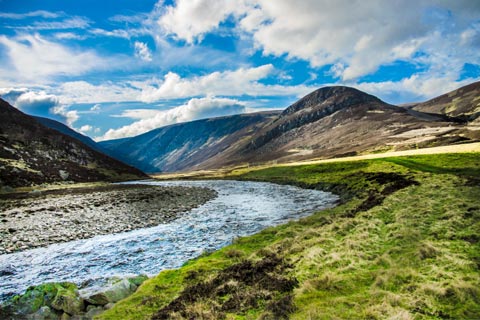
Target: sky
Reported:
[(118, 68)]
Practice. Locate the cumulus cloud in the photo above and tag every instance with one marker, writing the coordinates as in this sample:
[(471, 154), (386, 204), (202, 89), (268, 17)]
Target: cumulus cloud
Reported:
[(31, 102), (356, 37), (196, 108), (190, 20), (11, 94), (69, 116), (85, 128), (33, 57), (39, 103), (243, 81), (419, 87), (36, 100), (142, 51)]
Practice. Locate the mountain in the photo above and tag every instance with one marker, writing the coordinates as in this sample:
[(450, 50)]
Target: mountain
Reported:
[(185, 145), (32, 154), (55, 125), (329, 122), (463, 103), (339, 121)]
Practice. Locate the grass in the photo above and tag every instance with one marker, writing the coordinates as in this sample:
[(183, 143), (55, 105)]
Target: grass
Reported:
[(402, 244)]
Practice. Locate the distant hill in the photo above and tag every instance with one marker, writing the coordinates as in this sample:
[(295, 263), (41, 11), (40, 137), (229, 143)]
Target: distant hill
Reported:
[(185, 145), (52, 124), (463, 103), (32, 154), (329, 122)]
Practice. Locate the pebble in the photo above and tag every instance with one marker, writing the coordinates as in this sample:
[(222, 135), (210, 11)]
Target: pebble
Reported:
[(67, 217)]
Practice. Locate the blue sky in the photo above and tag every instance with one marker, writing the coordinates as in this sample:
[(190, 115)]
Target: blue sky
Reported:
[(117, 68)]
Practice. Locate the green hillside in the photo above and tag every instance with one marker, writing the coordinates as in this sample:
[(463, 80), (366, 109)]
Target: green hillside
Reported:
[(403, 244)]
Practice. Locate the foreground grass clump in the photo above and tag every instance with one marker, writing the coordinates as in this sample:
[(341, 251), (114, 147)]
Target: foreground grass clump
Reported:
[(402, 244)]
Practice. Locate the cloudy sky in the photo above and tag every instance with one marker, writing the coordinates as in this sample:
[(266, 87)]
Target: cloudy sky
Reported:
[(117, 68)]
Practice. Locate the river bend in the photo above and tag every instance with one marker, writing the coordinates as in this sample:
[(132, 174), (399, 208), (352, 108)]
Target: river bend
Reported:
[(241, 208)]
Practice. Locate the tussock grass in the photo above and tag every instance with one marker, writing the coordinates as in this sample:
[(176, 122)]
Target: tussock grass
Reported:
[(403, 244)]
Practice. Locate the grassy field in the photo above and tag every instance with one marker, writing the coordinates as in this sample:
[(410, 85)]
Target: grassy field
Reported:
[(402, 244)]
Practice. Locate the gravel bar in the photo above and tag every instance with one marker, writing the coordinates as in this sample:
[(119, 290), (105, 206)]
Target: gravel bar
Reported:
[(42, 218)]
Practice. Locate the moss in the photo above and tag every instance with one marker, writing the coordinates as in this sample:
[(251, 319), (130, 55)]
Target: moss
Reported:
[(38, 296)]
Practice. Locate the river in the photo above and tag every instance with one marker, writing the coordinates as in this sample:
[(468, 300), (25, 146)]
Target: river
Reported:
[(241, 208)]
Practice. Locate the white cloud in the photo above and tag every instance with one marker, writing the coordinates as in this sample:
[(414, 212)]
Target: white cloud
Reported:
[(39, 103), (142, 51), (138, 114), (38, 13), (97, 107), (356, 36), (35, 100), (116, 33), (33, 57), (419, 87), (85, 128), (243, 81), (69, 36), (85, 92), (189, 20), (31, 102), (11, 94), (197, 108), (70, 116), (68, 23)]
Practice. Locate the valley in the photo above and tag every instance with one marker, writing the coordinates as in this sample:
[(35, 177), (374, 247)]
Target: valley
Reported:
[(341, 205), (403, 241), (239, 160), (330, 122)]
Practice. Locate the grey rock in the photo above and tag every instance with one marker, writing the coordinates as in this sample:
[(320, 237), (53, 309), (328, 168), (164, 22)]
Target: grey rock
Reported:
[(68, 301), (115, 292)]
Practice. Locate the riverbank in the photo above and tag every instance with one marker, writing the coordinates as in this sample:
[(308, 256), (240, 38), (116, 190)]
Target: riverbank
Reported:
[(38, 219), (403, 244)]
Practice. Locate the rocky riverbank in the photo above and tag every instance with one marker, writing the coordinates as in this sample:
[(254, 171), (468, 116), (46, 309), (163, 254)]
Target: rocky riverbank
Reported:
[(41, 218), (64, 300)]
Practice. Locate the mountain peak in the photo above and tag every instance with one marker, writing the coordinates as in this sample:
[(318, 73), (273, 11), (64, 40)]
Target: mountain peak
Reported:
[(332, 95)]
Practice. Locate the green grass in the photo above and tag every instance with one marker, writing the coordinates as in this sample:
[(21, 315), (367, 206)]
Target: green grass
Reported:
[(403, 244)]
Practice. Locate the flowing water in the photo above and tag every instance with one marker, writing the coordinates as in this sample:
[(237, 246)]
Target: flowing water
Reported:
[(241, 208)]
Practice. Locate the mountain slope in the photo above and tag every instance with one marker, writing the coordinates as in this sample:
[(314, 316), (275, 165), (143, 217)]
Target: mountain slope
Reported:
[(185, 145), (329, 122), (32, 154), (338, 121), (463, 103), (55, 125)]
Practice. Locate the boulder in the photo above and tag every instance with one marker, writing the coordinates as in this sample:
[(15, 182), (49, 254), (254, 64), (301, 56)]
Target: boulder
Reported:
[(69, 301), (115, 292), (44, 313), (37, 296), (94, 311)]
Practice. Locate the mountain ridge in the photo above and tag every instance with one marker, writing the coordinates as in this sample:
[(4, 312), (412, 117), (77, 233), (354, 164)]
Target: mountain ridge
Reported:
[(462, 103), (32, 154), (328, 122), (174, 148)]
